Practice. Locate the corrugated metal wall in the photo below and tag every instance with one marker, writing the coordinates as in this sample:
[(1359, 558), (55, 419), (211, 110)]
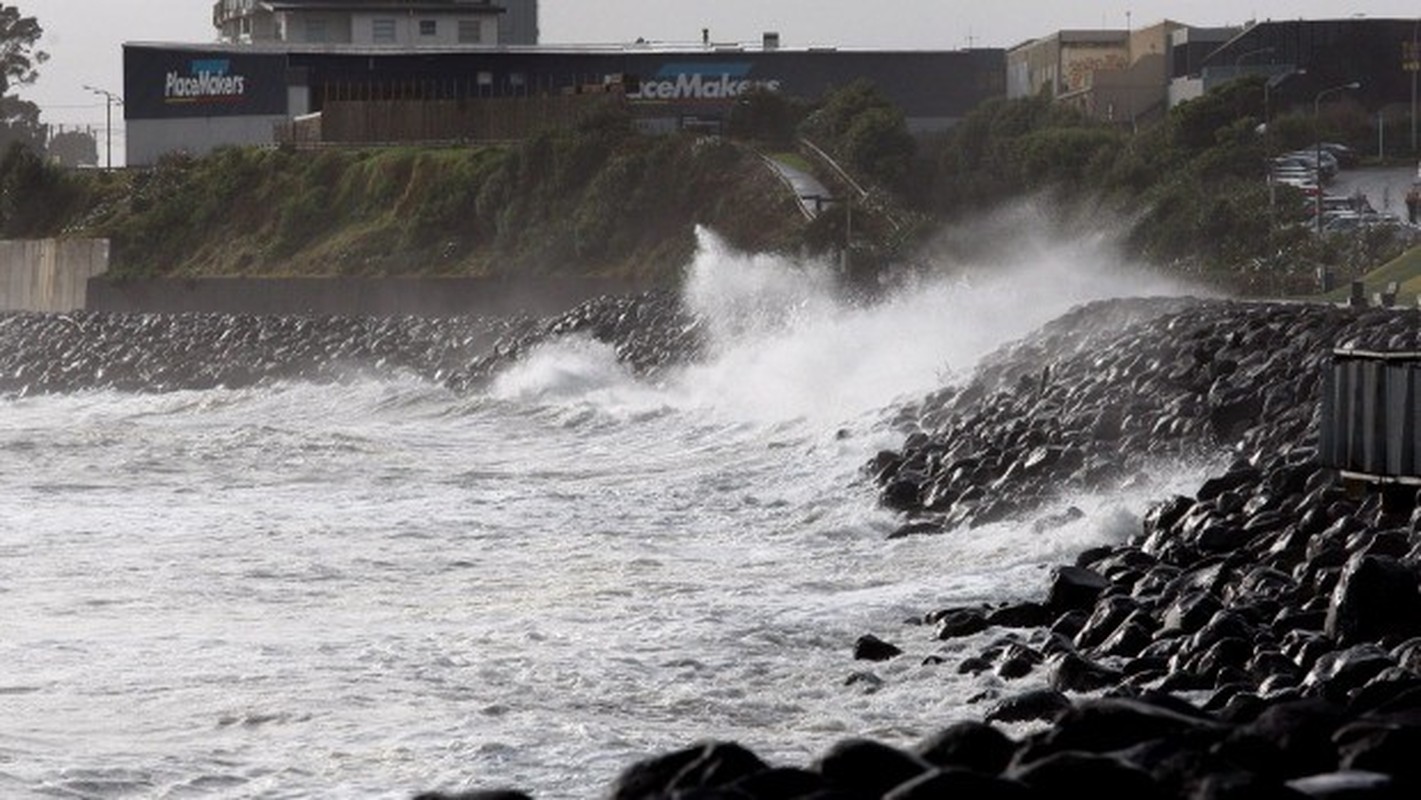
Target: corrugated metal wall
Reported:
[(1371, 414)]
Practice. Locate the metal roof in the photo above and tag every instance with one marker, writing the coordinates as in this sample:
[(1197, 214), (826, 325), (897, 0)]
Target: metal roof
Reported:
[(274, 48)]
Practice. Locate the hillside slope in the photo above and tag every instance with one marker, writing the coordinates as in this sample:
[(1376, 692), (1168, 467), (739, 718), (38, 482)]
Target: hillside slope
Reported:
[(596, 201)]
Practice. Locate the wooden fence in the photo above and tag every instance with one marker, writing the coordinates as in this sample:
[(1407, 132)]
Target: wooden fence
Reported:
[(343, 122)]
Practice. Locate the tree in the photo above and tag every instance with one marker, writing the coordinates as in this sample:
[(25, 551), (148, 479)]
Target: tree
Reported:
[(766, 115), (74, 149), (865, 129), (19, 60)]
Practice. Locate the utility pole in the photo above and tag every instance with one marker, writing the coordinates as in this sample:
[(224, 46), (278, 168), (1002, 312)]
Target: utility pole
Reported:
[(1317, 132), (109, 100), (1411, 62)]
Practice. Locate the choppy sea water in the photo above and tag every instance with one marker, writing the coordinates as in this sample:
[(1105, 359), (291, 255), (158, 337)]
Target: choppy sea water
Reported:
[(378, 586)]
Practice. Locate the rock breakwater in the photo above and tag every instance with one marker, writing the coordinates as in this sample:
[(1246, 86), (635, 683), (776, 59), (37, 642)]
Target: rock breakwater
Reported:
[(49, 353)]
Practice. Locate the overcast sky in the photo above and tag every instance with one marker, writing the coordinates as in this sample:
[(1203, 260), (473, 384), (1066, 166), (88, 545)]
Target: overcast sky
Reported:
[(84, 37)]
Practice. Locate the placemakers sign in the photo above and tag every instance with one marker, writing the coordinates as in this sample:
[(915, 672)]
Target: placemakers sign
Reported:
[(162, 83), (207, 80), (699, 83)]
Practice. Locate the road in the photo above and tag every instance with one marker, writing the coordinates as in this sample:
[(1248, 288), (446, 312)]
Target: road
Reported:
[(811, 194), (1384, 187)]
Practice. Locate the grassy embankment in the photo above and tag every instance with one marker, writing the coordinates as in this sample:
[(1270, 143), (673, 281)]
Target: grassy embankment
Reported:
[(584, 202), (1404, 271)]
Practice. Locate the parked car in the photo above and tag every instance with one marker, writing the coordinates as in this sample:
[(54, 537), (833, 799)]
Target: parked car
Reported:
[(1346, 157), (1312, 158)]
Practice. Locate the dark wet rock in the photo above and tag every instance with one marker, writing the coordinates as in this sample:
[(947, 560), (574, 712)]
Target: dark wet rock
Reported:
[(1018, 661), (1288, 739), (1376, 597), (870, 767), (1340, 672), (1388, 744), (1130, 638), (1039, 704), (970, 745), (1069, 624), (779, 782), (974, 665), (653, 777), (1392, 691), (962, 783), (1351, 785), (916, 529), (1190, 611), (718, 765), (1108, 724), (1076, 774), (871, 648), (1225, 785), (1070, 672), (959, 622), (1074, 589), (1019, 615), (867, 681), (1107, 615)]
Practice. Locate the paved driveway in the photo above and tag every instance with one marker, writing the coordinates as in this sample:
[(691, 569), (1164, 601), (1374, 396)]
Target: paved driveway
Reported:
[(1384, 187), (811, 194)]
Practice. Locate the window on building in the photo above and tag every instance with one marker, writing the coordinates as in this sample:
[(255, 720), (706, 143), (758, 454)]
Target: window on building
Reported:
[(428, 27), (471, 31), (316, 30), (382, 31)]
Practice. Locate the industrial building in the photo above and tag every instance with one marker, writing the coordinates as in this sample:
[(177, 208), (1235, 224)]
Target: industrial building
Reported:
[(1126, 76), (1306, 57), (194, 98), (401, 23), (1112, 75)]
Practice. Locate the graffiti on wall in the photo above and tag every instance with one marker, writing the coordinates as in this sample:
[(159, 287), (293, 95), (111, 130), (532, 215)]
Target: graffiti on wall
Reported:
[(1079, 67)]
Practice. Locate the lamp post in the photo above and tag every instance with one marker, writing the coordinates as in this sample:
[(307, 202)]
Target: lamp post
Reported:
[(109, 100), (1268, 87), (1412, 63), (1238, 62), (1317, 157)]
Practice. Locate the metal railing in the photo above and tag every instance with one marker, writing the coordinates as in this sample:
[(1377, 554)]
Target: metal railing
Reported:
[(224, 11)]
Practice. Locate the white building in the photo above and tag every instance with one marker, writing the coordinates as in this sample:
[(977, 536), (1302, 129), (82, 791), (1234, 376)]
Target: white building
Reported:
[(396, 23)]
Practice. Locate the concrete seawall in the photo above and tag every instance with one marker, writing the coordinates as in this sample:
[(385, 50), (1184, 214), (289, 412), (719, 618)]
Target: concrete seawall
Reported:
[(49, 275), (429, 297)]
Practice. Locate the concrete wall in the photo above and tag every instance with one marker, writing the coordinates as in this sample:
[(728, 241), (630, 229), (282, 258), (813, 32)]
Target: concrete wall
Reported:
[(151, 139), (430, 297), (49, 275)]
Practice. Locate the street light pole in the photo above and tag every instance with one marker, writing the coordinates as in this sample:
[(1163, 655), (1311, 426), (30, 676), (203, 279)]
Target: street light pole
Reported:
[(1413, 65), (1238, 62), (1268, 86), (109, 99), (1317, 157)]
